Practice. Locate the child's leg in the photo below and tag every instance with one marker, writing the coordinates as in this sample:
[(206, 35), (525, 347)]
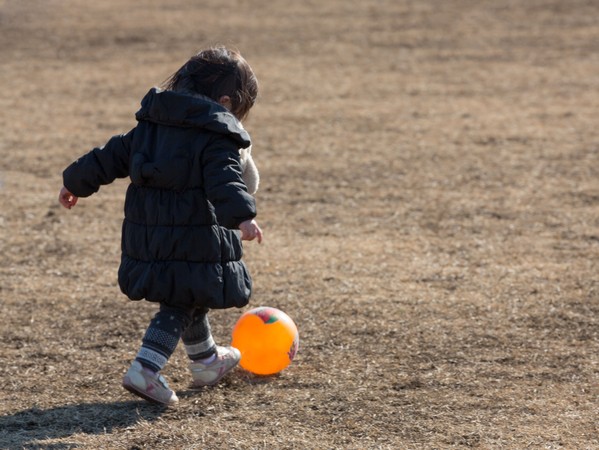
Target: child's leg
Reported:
[(197, 337), (162, 336), (158, 344), (210, 363)]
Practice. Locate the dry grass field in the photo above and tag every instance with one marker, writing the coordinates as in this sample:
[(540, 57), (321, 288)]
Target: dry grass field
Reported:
[(430, 203)]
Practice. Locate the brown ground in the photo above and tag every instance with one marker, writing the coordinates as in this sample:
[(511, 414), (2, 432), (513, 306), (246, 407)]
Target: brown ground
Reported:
[(430, 203)]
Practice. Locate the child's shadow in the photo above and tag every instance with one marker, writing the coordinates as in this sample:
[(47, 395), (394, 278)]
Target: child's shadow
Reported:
[(26, 428)]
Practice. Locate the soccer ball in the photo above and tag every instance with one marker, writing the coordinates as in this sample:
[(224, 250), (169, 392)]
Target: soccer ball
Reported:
[(267, 339)]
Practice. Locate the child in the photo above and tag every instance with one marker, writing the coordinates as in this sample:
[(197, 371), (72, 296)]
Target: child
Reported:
[(185, 201)]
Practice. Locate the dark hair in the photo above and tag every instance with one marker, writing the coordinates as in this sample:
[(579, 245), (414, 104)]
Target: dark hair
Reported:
[(216, 72)]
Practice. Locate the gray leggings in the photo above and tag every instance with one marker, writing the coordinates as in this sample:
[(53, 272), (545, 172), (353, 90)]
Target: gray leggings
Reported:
[(171, 324)]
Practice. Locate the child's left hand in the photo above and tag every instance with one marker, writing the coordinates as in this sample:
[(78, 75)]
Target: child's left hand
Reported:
[(67, 199), (250, 231)]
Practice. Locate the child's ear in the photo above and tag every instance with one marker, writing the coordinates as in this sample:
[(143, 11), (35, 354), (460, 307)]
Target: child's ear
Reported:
[(225, 101)]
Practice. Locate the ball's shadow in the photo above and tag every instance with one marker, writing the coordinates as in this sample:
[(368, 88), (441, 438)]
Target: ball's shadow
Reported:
[(251, 378), (241, 378)]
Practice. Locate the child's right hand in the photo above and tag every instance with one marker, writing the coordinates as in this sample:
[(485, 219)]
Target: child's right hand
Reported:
[(67, 199), (250, 231)]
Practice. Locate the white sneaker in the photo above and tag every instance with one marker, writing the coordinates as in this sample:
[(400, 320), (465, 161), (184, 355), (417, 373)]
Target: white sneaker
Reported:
[(210, 374), (148, 385)]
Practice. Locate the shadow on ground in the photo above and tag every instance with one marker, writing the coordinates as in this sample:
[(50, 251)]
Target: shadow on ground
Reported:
[(25, 429)]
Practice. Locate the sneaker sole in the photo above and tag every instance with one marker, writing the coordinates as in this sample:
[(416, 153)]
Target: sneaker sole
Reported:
[(146, 397)]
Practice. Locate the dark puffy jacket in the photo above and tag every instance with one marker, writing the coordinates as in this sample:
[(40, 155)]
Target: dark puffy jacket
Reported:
[(185, 199)]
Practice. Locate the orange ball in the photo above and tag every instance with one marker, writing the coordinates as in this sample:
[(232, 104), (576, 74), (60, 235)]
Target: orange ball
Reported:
[(267, 339)]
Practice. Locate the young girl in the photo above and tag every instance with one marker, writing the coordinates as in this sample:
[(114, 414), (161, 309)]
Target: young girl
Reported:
[(186, 198)]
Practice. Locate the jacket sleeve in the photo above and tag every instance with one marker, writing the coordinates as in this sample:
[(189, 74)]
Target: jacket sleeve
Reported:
[(224, 185), (100, 166)]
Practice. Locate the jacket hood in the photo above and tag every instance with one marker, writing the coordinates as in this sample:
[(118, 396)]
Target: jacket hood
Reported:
[(183, 110)]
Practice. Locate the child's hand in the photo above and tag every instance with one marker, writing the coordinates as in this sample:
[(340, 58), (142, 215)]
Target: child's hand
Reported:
[(67, 199), (250, 231)]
